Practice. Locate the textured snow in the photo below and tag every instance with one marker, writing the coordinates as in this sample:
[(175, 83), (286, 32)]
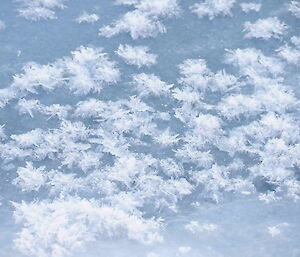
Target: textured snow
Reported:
[(39, 9), (265, 28), (294, 8), (247, 7), (149, 128), (212, 8), (136, 55), (145, 20), (88, 18)]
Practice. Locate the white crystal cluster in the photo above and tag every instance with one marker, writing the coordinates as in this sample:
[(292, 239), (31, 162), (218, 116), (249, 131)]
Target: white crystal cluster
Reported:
[(129, 151)]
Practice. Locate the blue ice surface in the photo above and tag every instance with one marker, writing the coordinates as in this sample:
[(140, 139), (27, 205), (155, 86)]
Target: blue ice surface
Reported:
[(242, 220)]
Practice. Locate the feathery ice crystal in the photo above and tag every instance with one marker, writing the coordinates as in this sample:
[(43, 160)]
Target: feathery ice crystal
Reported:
[(160, 135)]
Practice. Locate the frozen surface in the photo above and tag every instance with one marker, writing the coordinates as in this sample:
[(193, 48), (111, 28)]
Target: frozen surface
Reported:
[(149, 128)]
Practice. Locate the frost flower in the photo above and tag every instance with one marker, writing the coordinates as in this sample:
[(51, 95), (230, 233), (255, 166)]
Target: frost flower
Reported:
[(136, 55), (265, 28)]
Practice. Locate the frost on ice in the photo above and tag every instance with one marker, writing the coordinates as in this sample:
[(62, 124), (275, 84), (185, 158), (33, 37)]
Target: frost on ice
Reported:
[(136, 55), (294, 8), (248, 7), (87, 70), (213, 8), (265, 28), (133, 144), (87, 18), (39, 9), (145, 20)]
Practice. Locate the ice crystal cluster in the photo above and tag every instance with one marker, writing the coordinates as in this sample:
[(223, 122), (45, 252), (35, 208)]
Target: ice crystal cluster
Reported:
[(149, 128)]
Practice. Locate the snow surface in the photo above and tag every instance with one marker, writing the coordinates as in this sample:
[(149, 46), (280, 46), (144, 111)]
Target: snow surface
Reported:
[(149, 128)]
